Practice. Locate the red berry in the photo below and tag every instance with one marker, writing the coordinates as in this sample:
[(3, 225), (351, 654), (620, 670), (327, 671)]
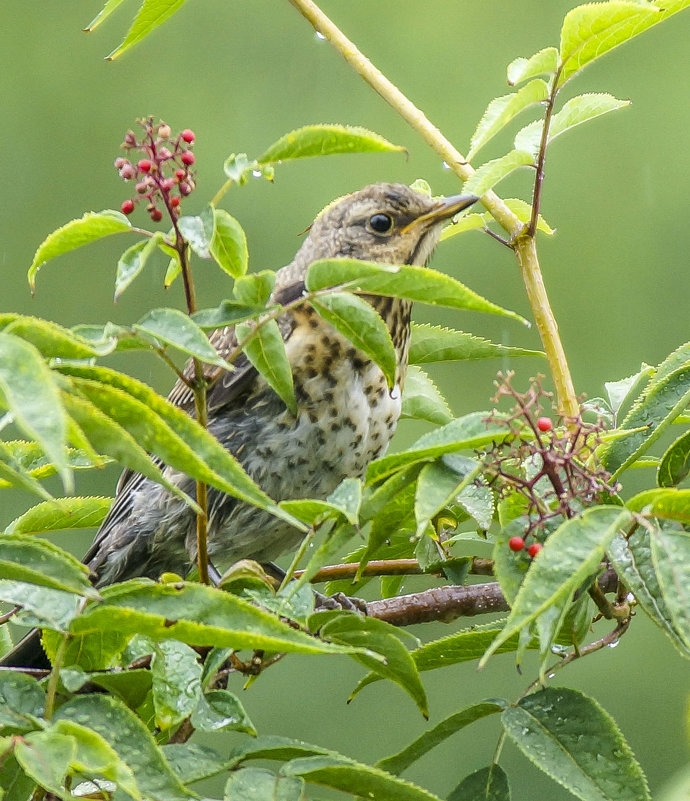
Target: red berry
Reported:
[(516, 543), (187, 158), (127, 206), (188, 135), (175, 201), (534, 549), (544, 424), (143, 165), (156, 215), (180, 174)]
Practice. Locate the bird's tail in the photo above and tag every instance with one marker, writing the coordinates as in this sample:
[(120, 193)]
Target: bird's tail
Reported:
[(27, 653)]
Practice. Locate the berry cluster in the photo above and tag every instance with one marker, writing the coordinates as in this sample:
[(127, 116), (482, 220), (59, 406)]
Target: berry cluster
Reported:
[(162, 172), (555, 470)]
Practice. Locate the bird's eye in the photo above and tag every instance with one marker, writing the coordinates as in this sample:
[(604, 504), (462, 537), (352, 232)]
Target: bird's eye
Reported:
[(381, 223)]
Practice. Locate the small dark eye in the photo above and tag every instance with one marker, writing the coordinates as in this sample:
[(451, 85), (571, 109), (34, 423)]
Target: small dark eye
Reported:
[(381, 223)]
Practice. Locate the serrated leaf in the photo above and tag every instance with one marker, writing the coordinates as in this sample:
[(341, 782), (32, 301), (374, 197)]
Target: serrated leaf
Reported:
[(342, 773), (28, 390), (548, 728), (266, 351), (591, 30), (662, 401), (229, 244), (632, 560), (464, 433), (576, 111), (325, 140), (675, 463), (220, 710), (192, 762), (197, 615), (544, 62), (219, 464), (501, 110), (405, 281), (89, 228), (173, 271), (229, 312), (175, 328), (434, 343), (671, 560), (26, 558), (102, 15), (151, 14), (60, 514), (422, 400), (668, 503), (438, 483), (46, 756), (258, 784), (273, 747), (569, 556), (399, 762), (255, 289), (523, 211), (21, 700), (485, 784), (491, 172), (41, 606), (468, 222), (619, 392), (176, 675), (359, 322), (51, 339), (128, 736), (133, 261), (199, 231)]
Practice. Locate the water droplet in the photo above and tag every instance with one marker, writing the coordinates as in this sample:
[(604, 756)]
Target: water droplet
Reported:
[(256, 173), (319, 35), (446, 165), (551, 675), (613, 644), (629, 597)]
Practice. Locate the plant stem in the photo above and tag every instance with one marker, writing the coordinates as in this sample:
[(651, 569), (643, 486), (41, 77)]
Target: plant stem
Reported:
[(524, 244), (51, 690)]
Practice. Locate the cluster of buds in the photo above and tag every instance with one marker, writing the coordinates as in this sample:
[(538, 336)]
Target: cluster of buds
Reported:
[(162, 171), (553, 468)]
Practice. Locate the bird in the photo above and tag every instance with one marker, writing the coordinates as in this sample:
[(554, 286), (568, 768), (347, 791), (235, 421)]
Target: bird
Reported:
[(346, 412)]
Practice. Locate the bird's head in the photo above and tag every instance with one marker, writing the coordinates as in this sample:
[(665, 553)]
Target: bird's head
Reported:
[(383, 222)]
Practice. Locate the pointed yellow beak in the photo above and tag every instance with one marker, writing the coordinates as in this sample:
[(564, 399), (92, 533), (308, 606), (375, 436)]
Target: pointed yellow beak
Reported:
[(445, 209)]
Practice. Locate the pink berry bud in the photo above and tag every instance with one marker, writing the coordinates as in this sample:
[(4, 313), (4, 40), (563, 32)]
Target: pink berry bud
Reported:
[(164, 154), (127, 206), (119, 162), (144, 165), (188, 135), (180, 175), (167, 184), (185, 188), (156, 215), (127, 171), (142, 187), (164, 131)]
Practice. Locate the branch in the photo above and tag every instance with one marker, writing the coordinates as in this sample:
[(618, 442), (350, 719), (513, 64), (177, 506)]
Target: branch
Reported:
[(390, 567)]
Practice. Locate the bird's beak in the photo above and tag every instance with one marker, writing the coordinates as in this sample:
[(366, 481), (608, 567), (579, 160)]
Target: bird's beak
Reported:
[(445, 209)]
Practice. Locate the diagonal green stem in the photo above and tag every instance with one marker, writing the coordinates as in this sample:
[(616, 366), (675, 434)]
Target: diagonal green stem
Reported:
[(523, 245)]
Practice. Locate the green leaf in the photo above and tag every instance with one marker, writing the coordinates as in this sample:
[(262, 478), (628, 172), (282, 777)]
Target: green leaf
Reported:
[(197, 615), (466, 222), (671, 503), (102, 15), (544, 62), (14, 474), (173, 271), (273, 747), (358, 321), (399, 762), (439, 483), (257, 784), (491, 172), (89, 228), (632, 560), (591, 30), (37, 561), (41, 606), (28, 390), (325, 140), (220, 710), (50, 339), (176, 674), (21, 700), (485, 784), (523, 211), (329, 547), (501, 110), (406, 281), (342, 773), (16, 785), (199, 231), (576, 111), (130, 739), (265, 349), (218, 467), (229, 244), (228, 312), (619, 392), (61, 514), (464, 433), (46, 756), (133, 261), (434, 343), (422, 400), (255, 289), (662, 401), (107, 436), (675, 463), (151, 14), (671, 560), (176, 328), (575, 742), (571, 554), (397, 664), (192, 762)]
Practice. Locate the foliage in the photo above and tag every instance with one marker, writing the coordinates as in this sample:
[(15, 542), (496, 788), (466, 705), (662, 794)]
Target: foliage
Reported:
[(542, 486)]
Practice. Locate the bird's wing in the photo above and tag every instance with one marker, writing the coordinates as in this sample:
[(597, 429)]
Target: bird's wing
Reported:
[(225, 387)]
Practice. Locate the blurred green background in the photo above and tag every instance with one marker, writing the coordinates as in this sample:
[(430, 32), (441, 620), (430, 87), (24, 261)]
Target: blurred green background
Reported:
[(241, 75)]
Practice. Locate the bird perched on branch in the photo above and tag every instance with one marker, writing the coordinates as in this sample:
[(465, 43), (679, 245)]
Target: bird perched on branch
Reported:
[(346, 413)]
